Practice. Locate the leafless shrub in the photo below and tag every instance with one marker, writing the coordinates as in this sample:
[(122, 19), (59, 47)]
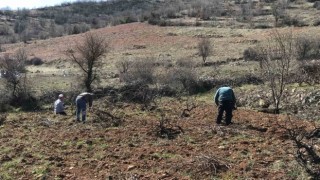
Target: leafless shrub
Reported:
[(306, 145), (141, 71), (165, 128), (309, 72), (106, 118), (190, 105), (1, 48), (88, 56), (246, 79), (123, 67), (185, 80), (292, 21), (277, 62), (3, 118), (317, 22), (204, 49), (5, 30), (36, 61), (205, 9), (247, 11), (304, 46), (13, 68), (139, 93), (14, 74), (251, 54), (187, 63), (278, 10), (4, 101), (307, 47), (210, 164)]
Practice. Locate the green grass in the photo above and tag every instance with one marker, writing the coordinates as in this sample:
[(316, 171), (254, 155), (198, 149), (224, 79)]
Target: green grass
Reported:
[(5, 176), (165, 155), (40, 171)]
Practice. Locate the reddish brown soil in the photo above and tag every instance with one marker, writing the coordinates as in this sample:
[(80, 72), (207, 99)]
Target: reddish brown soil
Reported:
[(155, 40), (43, 145)]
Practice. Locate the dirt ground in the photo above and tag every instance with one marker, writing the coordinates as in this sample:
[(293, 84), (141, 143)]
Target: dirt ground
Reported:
[(40, 145)]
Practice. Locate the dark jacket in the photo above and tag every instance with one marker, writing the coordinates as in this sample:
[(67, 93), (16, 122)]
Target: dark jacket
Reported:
[(224, 94)]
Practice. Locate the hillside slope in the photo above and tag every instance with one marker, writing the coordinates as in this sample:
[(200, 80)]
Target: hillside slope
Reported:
[(40, 145)]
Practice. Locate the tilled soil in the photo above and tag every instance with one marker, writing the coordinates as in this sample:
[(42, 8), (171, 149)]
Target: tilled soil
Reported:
[(40, 145)]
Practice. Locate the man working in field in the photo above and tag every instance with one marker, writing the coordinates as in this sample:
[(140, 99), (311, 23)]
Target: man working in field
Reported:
[(59, 105), (225, 100), (81, 104)]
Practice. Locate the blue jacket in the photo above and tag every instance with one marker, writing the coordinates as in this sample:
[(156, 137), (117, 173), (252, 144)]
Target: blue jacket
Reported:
[(224, 94)]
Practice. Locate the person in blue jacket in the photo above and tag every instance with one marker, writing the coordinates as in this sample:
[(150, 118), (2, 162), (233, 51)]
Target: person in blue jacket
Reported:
[(81, 104), (225, 100)]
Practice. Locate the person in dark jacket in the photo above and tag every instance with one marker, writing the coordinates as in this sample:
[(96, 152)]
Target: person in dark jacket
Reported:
[(225, 100), (81, 104)]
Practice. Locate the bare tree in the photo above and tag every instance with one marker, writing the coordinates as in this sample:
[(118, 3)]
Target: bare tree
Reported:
[(278, 10), (88, 56), (13, 67), (123, 67), (204, 49), (277, 59)]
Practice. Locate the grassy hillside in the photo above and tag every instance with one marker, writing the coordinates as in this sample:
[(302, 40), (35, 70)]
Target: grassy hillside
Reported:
[(156, 119)]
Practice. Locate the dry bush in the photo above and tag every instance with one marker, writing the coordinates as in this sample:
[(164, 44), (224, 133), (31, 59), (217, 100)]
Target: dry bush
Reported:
[(309, 72), (107, 117), (3, 118), (184, 80), (306, 144), (246, 79), (205, 9), (13, 68), (204, 49), (307, 47), (139, 93), (5, 30), (292, 21), (187, 63), (251, 54), (189, 105), (141, 71), (278, 10), (210, 164), (166, 128), (36, 61), (123, 67), (316, 23)]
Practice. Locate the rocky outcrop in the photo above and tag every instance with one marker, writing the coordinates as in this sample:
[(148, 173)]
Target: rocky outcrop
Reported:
[(301, 102)]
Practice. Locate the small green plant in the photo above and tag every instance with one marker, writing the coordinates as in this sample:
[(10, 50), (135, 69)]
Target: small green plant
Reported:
[(41, 171)]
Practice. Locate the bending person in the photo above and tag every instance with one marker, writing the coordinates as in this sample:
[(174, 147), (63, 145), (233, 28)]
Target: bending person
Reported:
[(81, 104)]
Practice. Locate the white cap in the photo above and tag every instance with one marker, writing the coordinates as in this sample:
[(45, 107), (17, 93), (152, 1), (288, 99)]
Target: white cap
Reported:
[(60, 95), (85, 93)]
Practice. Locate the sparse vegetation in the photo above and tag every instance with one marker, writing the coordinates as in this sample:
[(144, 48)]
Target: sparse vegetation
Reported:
[(157, 122)]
